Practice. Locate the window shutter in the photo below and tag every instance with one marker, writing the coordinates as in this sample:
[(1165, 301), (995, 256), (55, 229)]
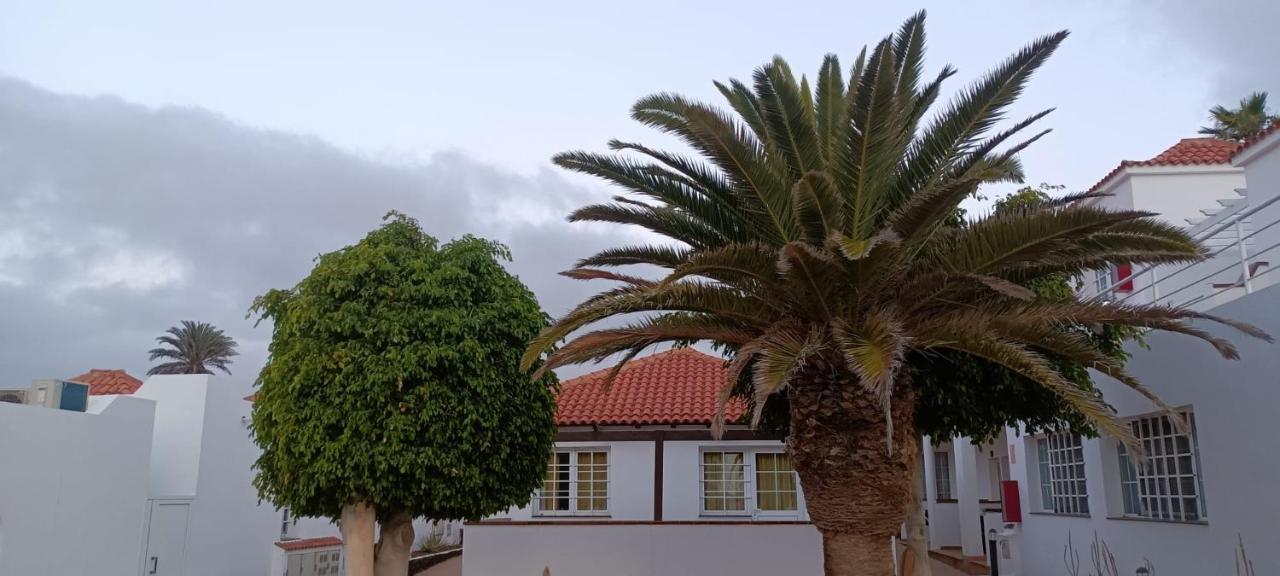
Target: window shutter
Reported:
[(1122, 271)]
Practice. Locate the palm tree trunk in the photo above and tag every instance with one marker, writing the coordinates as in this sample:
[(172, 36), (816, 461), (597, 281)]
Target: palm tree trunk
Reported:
[(357, 538), (856, 492), (391, 555)]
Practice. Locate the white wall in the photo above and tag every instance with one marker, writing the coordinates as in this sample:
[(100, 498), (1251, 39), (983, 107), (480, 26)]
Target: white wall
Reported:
[(643, 550), (178, 433), (73, 487), (1179, 194), (229, 532), (1235, 405)]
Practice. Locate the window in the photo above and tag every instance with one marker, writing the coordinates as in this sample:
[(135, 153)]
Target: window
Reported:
[(1167, 486), (731, 487), (284, 524), (576, 484), (942, 474), (1103, 279), (1062, 479), (775, 482)]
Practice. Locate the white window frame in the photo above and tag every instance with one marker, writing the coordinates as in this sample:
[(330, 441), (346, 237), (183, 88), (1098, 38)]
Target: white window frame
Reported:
[(749, 485), (1104, 278), (1155, 488), (1063, 477), (942, 476), (573, 493)]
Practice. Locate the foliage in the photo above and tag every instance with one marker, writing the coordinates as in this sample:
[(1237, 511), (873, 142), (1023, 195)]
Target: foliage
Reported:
[(434, 541), (193, 348), (394, 379), (1244, 121), (810, 231)]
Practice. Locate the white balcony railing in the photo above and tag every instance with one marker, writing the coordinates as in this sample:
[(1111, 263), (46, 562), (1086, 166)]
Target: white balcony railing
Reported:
[(1241, 241)]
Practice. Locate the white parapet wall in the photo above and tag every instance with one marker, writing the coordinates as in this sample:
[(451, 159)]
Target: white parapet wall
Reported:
[(641, 549), (73, 487)]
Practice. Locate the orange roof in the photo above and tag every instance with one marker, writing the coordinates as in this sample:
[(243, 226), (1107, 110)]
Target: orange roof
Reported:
[(678, 386), (108, 382), (1260, 136), (309, 543), (1187, 152)]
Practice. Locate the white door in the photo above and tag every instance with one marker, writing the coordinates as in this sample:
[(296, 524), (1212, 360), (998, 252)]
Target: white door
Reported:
[(166, 539)]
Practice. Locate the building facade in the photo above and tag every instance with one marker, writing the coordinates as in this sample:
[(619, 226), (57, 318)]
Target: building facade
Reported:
[(637, 485)]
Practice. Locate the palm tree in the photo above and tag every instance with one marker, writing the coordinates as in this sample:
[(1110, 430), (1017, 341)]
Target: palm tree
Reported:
[(193, 348), (808, 237), (1243, 122)]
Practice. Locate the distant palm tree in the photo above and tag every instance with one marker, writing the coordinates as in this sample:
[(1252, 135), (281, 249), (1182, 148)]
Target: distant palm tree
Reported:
[(1243, 122), (193, 348)]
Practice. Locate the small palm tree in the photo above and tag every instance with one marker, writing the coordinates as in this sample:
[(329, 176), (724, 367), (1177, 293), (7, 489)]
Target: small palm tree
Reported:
[(1243, 122), (809, 236), (193, 348)]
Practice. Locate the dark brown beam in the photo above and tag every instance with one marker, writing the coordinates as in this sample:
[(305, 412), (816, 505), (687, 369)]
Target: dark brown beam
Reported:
[(652, 435), (657, 475)]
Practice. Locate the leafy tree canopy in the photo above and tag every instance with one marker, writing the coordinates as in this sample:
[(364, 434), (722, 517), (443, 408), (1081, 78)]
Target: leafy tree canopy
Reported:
[(394, 380)]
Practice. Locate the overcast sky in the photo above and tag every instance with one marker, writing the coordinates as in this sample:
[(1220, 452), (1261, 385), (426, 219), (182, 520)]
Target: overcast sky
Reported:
[(162, 161)]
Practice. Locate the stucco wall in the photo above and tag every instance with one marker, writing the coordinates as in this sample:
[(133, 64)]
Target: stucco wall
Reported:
[(1177, 195), (229, 534), (73, 488), (643, 550), (1234, 405)]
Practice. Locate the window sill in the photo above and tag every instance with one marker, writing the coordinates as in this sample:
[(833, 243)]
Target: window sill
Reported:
[(572, 516), (1159, 521), (1060, 514), (946, 500)]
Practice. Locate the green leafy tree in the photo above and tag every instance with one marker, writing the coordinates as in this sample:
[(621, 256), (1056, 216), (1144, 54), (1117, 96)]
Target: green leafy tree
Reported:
[(193, 348), (393, 390), (809, 235), (1244, 121)]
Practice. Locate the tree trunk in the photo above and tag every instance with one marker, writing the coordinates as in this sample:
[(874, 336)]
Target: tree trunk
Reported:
[(856, 492), (357, 538), (917, 530), (391, 556)]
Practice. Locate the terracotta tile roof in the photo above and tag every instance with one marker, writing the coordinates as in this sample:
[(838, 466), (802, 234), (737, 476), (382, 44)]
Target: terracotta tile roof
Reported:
[(674, 387), (1187, 152), (251, 398), (108, 382), (1272, 129), (309, 543)]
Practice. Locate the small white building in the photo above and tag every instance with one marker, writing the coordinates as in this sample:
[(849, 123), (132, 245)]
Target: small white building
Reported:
[(156, 482), (636, 486)]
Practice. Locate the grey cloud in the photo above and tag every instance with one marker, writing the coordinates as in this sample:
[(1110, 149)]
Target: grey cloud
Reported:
[(1236, 39), (116, 221)]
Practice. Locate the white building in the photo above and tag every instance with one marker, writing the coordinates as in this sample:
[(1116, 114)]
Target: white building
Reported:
[(636, 486), (1201, 493), (157, 483)]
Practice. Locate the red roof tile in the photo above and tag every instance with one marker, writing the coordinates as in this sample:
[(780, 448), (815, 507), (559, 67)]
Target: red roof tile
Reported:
[(1187, 152), (678, 386), (1272, 129), (309, 543), (108, 382), (251, 398)]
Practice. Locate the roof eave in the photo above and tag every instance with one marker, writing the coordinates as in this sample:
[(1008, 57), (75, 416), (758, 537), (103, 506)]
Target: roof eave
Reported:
[(1252, 151)]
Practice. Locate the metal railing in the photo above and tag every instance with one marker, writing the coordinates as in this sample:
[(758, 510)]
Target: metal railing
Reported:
[(1229, 235)]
